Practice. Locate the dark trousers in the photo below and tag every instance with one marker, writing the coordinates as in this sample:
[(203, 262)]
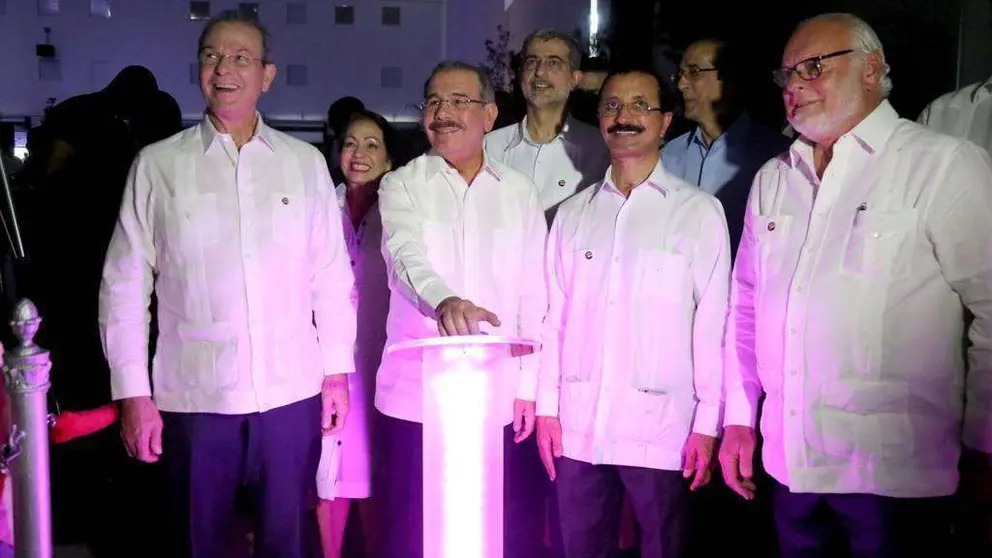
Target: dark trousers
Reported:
[(269, 457), (860, 525), (398, 480), (590, 498)]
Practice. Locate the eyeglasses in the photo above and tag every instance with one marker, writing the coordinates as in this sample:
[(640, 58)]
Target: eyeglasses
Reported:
[(550, 64), (457, 103), (809, 69), (211, 59), (691, 72), (638, 107)]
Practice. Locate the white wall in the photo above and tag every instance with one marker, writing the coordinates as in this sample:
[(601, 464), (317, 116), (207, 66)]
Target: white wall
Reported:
[(340, 60)]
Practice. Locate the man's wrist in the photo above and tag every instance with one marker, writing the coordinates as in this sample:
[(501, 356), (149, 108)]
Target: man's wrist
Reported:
[(335, 380)]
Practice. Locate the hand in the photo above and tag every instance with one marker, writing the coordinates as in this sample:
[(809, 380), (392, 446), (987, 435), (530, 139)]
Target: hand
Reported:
[(737, 460), (141, 428), (334, 401), (700, 452), (549, 442), (457, 316), (523, 419)]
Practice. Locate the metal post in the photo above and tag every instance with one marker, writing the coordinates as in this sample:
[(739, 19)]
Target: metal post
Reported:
[(25, 371)]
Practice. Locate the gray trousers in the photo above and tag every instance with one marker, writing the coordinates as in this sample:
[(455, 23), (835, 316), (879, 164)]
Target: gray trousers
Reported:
[(590, 499)]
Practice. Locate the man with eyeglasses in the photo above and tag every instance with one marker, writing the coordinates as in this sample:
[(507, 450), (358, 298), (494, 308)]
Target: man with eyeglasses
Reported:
[(726, 149), (560, 154), (235, 227), (463, 239), (629, 389), (862, 247)]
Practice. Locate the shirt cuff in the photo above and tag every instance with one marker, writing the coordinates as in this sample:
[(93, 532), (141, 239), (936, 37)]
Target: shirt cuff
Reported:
[(130, 382), (547, 403), (434, 295), (707, 421), (739, 410), (527, 390), (338, 359)]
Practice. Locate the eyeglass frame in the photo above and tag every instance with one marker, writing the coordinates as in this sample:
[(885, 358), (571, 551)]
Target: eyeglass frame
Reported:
[(224, 56), (643, 111), (457, 102), (782, 76), (692, 72)]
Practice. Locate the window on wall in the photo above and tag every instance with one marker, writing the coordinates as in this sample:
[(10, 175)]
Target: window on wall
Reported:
[(296, 75), (296, 13), (100, 8), (248, 9), (49, 69), (390, 15), (344, 15), (391, 77), (48, 7), (199, 10)]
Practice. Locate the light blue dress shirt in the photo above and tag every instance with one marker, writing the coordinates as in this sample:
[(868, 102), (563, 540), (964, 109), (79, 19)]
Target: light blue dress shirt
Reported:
[(727, 168)]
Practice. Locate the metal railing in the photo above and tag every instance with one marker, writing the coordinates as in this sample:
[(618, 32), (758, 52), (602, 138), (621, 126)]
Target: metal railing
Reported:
[(25, 456)]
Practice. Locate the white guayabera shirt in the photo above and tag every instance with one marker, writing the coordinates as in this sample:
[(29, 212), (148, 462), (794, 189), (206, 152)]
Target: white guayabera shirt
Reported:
[(847, 310), (246, 254), (443, 237)]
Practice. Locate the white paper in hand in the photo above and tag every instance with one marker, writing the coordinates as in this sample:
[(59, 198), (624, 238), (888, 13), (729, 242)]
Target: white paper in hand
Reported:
[(327, 471)]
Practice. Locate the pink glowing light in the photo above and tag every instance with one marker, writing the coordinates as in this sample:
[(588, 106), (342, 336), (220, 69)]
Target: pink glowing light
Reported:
[(463, 441)]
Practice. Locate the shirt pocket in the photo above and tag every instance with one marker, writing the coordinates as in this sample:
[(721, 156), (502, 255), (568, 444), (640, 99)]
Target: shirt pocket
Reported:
[(194, 224), (771, 234), (659, 276), (660, 297), (207, 356), (880, 243), (640, 417), (438, 247), (288, 214)]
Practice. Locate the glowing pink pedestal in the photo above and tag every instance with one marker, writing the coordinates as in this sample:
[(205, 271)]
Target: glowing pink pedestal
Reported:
[(464, 414)]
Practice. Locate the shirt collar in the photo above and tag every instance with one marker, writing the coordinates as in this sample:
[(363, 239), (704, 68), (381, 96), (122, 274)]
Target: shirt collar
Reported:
[(436, 164), (871, 133), (520, 132), (739, 126), (209, 133), (658, 180), (982, 91)]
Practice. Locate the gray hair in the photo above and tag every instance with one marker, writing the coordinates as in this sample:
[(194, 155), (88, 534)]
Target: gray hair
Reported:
[(486, 89), (236, 16), (863, 39), (549, 34)]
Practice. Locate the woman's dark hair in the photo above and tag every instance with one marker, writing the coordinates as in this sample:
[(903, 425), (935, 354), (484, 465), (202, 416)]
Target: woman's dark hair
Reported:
[(390, 137)]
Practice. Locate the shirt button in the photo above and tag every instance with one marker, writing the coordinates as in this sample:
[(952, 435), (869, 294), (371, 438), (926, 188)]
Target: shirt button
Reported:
[(352, 263), (793, 330), (793, 373), (792, 413)]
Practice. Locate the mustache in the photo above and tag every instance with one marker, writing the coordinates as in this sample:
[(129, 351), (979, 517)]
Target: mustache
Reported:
[(624, 128), (438, 124)]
